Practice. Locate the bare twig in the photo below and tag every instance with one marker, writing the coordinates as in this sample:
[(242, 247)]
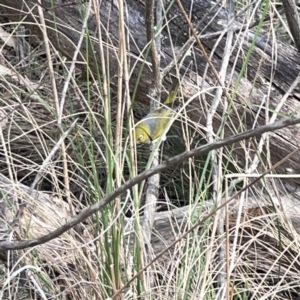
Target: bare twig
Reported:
[(292, 16), (155, 55), (155, 94), (216, 160), (143, 176), (155, 44)]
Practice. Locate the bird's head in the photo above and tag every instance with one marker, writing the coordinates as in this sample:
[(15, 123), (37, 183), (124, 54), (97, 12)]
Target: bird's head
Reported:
[(142, 134)]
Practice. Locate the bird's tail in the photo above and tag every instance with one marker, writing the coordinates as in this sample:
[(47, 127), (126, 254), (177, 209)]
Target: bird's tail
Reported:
[(172, 94)]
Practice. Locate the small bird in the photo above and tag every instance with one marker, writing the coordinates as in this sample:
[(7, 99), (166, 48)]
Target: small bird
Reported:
[(154, 124)]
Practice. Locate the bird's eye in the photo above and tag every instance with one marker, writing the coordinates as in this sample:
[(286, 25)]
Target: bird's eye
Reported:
[(141, 137)]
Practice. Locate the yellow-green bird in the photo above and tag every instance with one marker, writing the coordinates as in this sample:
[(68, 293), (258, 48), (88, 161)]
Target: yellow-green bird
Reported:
[(155, 123)]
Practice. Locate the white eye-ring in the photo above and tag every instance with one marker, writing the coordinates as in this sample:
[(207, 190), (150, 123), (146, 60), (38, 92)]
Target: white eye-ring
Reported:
[(141, 137)]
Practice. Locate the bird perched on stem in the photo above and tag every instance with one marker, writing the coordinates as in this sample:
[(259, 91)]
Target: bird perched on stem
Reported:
[(155, 123)]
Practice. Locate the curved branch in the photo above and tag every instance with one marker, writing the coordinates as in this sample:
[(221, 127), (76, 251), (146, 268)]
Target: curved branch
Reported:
[(144, 175)]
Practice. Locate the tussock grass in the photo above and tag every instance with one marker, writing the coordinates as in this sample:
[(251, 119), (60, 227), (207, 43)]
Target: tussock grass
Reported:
[(95, 260)]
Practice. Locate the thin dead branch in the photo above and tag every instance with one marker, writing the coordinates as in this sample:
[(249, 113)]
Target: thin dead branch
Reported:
[(292, 16), (155, 94), (146, 174)]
